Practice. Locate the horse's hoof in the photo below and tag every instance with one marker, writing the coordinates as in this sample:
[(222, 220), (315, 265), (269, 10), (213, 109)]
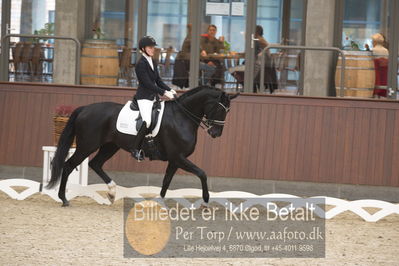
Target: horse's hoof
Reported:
[(205, 198), (163, 193), (204, 205), (65, 203), (111, 197)]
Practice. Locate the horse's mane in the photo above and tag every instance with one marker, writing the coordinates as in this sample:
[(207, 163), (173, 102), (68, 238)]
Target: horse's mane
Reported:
[(195, 90)]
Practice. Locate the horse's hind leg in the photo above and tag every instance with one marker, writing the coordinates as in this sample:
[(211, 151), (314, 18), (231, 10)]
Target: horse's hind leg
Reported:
[(76, 159), (170, 172), (104, 154)]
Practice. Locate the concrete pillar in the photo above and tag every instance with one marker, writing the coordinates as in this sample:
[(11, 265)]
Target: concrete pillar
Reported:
[(318, 72), (69, 22), (33, 16), (26, 17), (39, 13)]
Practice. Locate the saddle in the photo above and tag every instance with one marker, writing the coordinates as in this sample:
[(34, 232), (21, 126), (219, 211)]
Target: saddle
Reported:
[(156, 108)]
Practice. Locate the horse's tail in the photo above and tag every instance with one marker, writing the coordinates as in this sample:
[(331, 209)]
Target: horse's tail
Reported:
[(64, 143)]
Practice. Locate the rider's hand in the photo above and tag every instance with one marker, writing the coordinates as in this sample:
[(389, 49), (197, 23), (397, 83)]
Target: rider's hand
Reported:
[(169, 94), (173, 91)]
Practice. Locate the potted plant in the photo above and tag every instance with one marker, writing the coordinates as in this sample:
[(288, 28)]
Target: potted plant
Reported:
[(97, 32), (61, 117)]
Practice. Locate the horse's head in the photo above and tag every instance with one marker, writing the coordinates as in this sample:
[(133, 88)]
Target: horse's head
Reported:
[(215, 113)]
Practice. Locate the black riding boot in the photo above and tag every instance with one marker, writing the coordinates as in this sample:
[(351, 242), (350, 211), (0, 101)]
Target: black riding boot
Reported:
[(137, 152)]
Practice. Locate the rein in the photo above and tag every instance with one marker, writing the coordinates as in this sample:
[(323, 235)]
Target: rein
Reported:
[(203, 122)]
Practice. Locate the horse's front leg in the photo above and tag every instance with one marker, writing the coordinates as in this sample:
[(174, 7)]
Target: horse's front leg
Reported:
[(188, 166), (170, 172)]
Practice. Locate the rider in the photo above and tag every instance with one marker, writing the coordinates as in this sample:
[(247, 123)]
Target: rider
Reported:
[(150, 86)]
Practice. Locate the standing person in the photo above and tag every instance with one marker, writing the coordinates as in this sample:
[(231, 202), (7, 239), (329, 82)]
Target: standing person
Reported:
[(270, 74), (261, 43), (380, 53), (181, 69), (148, 91), (379, 44)]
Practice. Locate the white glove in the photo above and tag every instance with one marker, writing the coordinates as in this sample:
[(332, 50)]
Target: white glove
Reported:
[(168, 94), (173, 91)]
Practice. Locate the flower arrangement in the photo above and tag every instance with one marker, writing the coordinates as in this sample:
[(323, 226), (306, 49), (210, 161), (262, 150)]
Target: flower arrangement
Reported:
[(97, 32), (64, 110), (61, 117)]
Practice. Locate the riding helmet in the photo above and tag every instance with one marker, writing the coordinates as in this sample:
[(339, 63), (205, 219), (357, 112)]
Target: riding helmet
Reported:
[(146, 41)]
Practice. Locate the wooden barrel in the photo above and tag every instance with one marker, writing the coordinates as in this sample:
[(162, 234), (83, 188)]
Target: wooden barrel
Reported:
[(99, 64), (359, 75)]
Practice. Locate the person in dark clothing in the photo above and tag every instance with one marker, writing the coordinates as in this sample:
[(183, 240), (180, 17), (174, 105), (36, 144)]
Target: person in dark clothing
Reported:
[(182, 63), (213, 68), (148, 91), (261, 43), (269, 69)]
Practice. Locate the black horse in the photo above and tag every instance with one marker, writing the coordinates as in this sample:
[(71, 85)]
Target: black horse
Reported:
[(94, 127)]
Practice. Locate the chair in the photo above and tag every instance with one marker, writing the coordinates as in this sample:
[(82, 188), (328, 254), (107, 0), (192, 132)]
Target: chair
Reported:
[(381, 77), (16, 52), (37, 60), (157, 55), (26, 59), (48, 61), (270, 75), (165, 64), (168, 63), (285, 64), (269, 72), (237, 72), (232, 77), (239, 77)]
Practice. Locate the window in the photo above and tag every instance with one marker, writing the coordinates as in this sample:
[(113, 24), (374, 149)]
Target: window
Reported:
[(362, 19)]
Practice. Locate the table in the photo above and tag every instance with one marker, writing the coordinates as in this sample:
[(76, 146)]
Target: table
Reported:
[(229, 61)]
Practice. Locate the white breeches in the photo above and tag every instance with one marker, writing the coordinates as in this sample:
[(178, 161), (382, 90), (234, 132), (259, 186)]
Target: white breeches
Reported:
[(145, 107)]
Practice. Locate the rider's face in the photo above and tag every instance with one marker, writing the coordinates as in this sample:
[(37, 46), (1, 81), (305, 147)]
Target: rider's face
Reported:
[(150, 50)]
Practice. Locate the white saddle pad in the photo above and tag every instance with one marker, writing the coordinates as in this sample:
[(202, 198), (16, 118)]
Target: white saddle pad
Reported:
[(126, 122)]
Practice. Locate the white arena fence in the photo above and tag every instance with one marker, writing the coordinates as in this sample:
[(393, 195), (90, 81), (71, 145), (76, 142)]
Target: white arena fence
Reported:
[(338, 206)]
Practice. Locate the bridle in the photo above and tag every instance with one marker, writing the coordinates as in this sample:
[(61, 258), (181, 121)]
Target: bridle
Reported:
[(209, 123), (204, 122)]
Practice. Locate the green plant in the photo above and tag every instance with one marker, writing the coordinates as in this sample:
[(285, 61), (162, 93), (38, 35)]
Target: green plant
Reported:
[(227, 47), (48, 29), (355, 46)]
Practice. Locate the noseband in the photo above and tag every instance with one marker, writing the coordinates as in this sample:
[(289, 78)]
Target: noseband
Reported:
[(203, 122), (209, 123)]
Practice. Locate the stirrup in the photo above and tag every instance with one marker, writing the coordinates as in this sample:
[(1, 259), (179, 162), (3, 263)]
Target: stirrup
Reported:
[(138, 155)]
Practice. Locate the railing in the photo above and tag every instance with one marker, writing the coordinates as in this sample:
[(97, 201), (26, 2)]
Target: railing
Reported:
[(293, 47), (5, 52)]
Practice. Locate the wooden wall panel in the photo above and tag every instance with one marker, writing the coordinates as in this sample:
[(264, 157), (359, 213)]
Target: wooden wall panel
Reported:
[(394, 179), (265, 137)]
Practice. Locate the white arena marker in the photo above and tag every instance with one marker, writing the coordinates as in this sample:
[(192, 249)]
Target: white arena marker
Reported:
[(91, 191)]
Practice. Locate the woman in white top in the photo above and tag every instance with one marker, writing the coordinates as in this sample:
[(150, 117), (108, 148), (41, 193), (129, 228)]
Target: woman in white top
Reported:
[(380, 53), (378, 45)]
